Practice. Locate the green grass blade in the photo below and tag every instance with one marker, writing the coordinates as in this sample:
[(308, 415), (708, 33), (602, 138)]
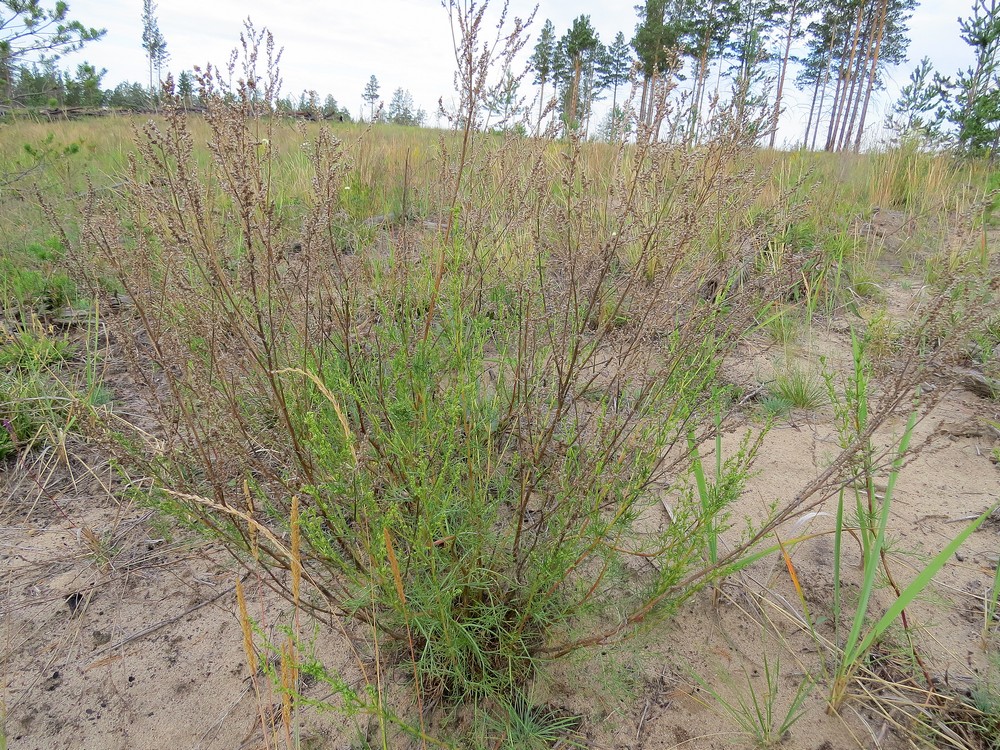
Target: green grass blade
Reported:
[(838, 538), (920, 582), (852, 649), (706, 503)]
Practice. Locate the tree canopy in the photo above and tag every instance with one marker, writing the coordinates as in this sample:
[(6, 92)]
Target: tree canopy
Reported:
[(29, 29)]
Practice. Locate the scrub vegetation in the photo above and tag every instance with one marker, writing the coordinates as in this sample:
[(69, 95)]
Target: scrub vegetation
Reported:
[(468, 394)]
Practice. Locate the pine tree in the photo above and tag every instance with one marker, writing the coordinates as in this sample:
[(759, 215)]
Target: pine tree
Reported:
[(370, 95), (972, 100), (977, 87), (850, 47), (649, 42), (707, 31), (85, 89), (592, 86), (28, 28), (541, 61), (792, 15), (823, 41), (37, 85), (615, 126), (912, 116), (502, 100), (333, 111), (662, 26), (185, 88), (152, 40), (614, 66), (873, 38), (579, 45), (402, 110), (748, 48)]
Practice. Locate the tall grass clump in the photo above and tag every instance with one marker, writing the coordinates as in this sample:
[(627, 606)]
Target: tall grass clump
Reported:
[(468, 414)]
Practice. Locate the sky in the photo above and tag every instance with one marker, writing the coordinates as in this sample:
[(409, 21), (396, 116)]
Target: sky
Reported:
[(334, 47)]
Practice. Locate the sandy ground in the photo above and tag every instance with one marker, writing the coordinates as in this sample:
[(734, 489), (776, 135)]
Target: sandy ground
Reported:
[(119, 631)]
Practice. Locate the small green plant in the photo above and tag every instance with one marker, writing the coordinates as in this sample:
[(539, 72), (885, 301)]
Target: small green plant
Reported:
[(882, 339), (986, 701), (775, 406), (535, 727), (782, 324), (755, 708), (800, 389), (864, 282), (28, 404), (871, 518), (992, 598), (30, 398), (985, 343), (973, 717), (40, 397), (729, 478), (31, 279), (32, 348)]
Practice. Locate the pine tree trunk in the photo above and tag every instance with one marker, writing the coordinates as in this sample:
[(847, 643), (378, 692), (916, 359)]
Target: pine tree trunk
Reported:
[(834, 101), (612, 132), (857, 83), (651, 102), (647, 116), (541, 102), (699, 90), (826, 82), (792, 11), (588, 97), (659, 113), (702, 92), (872, 73), (840, 97), (849, 105), (574, 93), (812, 110), (645, 97), (7, 77)]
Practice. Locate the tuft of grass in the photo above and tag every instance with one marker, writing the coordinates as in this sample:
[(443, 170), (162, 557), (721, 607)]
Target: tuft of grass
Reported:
[(883, 338), (991, 608), (775, 406), (864, 281), (726, 484), (31, 399), (984, 343), (799, 389), (28, 288), (986, 701), (755, 707), (32, 347), (782, 324), (972, 718), (44, 391), (536, 727)]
